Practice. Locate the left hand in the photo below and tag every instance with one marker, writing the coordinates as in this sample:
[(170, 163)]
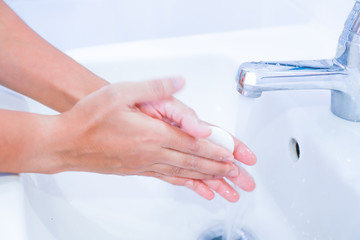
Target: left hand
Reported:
[(176, 113)]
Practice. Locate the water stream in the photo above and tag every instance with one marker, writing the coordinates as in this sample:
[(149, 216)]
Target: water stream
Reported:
[(235, 215)]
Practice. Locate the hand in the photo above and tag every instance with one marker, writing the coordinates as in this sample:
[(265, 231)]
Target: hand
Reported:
[(205, 188), (177, 114), (106, 132)]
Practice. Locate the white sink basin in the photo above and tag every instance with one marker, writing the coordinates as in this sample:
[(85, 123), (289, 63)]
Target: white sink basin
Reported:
[(113, 207), (313, 196), (308, 164)]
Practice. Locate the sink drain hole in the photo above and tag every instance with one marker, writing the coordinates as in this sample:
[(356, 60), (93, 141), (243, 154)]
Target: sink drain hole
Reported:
[(294, 149), (219, 233)]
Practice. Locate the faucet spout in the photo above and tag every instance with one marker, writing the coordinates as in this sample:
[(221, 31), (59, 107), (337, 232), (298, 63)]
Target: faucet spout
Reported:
[(257, 77), (341, 75)]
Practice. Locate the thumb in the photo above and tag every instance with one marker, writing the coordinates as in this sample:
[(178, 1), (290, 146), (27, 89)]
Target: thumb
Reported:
[(153, 90)]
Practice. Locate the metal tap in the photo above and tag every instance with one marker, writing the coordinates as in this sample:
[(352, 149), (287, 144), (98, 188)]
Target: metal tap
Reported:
[(341, 75)]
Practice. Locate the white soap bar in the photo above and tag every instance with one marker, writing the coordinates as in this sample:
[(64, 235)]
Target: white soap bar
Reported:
[(222, 138)]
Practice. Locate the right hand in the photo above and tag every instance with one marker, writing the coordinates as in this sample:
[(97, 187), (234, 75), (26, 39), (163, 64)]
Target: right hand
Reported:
[(105, 132), (177, 114)]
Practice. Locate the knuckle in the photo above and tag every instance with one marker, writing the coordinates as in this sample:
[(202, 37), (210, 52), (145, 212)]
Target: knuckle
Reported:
[(176, 172), (195, 147), (192, 163), (223, 169)]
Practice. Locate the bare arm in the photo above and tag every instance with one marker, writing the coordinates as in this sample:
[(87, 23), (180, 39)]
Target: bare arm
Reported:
[(22, 139), (101, 134), (45, 73)]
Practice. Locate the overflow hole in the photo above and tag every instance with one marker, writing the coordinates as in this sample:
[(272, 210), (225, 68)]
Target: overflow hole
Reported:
[(294, 149)]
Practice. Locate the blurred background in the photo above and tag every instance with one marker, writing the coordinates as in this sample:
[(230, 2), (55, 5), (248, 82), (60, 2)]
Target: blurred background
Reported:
[(69, 24)]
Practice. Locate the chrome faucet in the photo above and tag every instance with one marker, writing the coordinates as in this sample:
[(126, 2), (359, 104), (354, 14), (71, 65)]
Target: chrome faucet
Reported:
[(341, 75)]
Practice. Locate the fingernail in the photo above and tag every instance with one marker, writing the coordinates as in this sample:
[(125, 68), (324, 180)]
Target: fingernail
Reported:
[(233, 173), (189, 184), (178, 82)]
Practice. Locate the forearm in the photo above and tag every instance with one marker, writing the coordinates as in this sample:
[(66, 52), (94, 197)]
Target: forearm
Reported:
[(24, 143), (31, 66)]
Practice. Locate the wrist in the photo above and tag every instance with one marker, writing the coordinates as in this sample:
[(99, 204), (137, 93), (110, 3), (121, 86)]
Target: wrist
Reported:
[(55, 141), (39, 153), (24, 141), (70, 96)]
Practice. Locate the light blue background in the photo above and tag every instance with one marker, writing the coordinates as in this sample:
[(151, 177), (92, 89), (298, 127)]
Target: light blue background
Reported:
[(70, 24)]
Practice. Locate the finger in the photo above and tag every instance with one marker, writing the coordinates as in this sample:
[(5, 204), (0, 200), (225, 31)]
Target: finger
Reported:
[(173, 171), (178, 114), (203, 188), (183, 116), (243, 180), (150, 110), (243, 154), (149, 91), (199, 164), (199, 187), (223, 189), (182, 142), (191, 125)]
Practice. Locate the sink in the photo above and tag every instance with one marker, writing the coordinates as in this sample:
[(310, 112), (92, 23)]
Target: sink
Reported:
[(307, 164), (307, 173), (94, 206)]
